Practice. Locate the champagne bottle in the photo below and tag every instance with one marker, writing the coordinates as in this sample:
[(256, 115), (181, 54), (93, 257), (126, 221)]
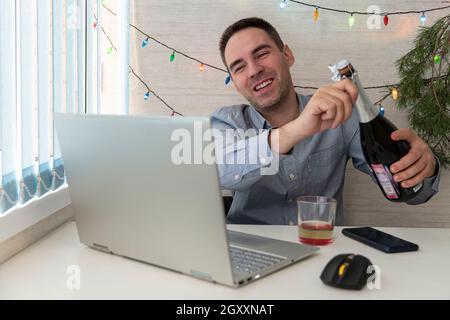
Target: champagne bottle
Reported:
[(380, 151)]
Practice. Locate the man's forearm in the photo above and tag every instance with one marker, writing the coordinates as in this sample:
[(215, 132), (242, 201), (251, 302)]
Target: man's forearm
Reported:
[(283, 139)]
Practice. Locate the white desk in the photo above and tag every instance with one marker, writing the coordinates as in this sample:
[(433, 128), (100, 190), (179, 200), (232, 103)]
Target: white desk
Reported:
[(39, 272)]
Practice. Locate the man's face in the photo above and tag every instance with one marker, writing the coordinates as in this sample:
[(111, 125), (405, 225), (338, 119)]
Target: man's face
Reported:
[(260, 71)]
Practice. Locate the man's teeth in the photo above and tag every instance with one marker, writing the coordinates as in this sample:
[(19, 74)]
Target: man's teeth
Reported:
[(263, 85)]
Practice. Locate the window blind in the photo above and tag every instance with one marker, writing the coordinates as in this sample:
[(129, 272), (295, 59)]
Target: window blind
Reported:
[(51, 55), (38, 52)]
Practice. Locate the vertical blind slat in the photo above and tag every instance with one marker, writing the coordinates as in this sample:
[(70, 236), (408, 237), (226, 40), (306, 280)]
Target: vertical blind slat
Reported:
[(8, 137), (27, 94), (81, 55), (124, 52), (58, 85), (44, 103), (71, 54), (91, 59), (99, 55)]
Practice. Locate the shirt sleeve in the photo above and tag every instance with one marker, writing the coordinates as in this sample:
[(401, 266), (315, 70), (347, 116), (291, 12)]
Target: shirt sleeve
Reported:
[(430, 185), (352, 137), (243, 157)]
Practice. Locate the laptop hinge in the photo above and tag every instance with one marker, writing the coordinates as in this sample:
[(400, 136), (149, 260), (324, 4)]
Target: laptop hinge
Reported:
[(201, 275), (101, 247)]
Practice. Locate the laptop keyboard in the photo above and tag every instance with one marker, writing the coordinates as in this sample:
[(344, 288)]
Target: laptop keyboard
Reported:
[(247, 261)]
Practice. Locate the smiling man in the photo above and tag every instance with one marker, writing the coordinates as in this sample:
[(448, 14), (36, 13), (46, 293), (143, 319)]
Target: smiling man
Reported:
[(312, 136)]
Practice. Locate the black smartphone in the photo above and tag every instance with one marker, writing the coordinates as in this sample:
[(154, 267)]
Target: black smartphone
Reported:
[(380, 240)]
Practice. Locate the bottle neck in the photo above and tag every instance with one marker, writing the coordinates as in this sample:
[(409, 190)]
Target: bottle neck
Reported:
[(364, 106)]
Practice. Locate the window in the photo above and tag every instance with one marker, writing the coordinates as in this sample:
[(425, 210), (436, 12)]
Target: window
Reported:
[(51, 56)]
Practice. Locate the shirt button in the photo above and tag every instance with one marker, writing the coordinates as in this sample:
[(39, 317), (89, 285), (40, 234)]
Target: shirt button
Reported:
[(292, 176)]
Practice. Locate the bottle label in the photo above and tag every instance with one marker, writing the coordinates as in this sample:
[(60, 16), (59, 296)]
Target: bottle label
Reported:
[(386, 180)]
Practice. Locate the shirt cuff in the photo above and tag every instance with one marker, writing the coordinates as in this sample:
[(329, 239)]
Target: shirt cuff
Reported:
[(430, 186)]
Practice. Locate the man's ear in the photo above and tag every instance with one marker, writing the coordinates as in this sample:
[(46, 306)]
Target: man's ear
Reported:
[(288, 55)]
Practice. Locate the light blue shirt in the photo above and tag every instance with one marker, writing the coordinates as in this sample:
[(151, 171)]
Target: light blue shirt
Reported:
[(315, 166)]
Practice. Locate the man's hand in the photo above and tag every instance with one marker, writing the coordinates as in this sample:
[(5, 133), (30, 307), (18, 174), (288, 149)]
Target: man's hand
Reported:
[(419, 163), (328, 108)]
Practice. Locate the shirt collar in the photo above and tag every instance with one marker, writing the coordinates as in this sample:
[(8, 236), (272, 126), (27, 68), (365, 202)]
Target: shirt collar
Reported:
[(262, 122)]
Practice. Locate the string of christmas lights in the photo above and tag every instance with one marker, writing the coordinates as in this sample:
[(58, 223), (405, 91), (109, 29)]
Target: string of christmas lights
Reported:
[(147, 37), (150, 91), (351, 18), (392, 88), (131, 70)]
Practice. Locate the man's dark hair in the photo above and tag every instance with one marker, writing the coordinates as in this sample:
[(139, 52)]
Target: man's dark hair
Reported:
[(252, 22)]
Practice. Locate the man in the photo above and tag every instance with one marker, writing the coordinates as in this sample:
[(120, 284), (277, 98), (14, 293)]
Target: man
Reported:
[(313, 136)]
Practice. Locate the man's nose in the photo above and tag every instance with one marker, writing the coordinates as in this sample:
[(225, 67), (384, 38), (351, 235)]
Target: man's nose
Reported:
[(255, 69)]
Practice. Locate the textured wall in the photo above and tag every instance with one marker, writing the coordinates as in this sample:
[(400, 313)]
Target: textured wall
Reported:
[(194, 27)]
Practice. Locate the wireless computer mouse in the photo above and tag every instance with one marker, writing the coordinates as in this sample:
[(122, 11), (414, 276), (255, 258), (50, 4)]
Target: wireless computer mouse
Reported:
[(346, 271)]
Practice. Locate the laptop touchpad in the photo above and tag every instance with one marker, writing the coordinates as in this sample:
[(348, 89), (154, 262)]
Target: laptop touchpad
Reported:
[(248, 240)]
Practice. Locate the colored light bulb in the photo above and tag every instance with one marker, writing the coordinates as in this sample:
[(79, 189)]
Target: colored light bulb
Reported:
[(437, 59), (394, 93), (351, 20), (316, 14), (423, 19)]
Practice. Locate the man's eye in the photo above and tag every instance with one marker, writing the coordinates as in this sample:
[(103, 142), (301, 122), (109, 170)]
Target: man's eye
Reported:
[(238, 68), (263, 54)]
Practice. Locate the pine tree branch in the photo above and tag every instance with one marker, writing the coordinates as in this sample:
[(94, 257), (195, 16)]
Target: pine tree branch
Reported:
[(433, 69), (424, 87)]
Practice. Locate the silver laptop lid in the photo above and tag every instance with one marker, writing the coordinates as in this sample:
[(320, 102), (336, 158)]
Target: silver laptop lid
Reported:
[(130, 198)]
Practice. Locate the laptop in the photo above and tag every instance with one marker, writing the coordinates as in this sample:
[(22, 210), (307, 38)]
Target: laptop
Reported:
[(130, 198)]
